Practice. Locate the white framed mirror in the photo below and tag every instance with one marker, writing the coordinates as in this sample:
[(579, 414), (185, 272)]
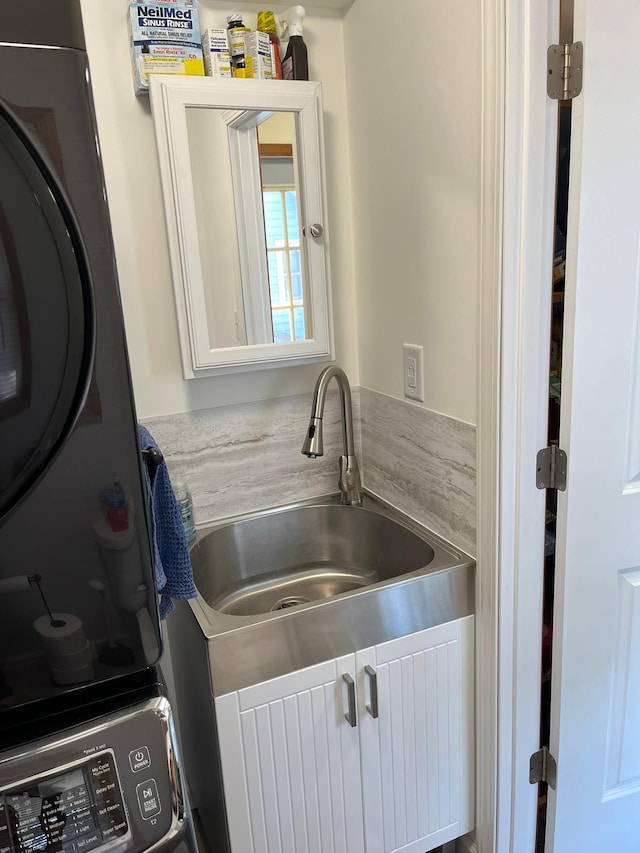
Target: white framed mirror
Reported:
[(242, 173)]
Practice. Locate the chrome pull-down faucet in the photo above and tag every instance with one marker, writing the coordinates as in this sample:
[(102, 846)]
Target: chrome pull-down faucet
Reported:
[(349, 481)]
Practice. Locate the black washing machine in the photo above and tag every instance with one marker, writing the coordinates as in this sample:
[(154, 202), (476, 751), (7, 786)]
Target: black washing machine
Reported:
[(101, 776), (87, 748)]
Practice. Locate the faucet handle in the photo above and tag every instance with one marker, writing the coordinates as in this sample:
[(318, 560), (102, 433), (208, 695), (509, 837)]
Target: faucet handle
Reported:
[(349, 481)]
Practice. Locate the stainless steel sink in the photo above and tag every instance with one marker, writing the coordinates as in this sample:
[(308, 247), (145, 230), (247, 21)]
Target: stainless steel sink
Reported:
[(300, 555), (290, 587)]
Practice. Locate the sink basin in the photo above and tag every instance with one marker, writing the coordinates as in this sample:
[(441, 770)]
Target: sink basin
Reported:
[(284, 589), (292, 557)]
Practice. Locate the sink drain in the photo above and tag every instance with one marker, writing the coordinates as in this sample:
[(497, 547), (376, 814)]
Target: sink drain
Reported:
[(290, 601)]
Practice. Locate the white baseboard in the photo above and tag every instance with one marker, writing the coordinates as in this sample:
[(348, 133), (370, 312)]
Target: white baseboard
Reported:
[(466, 844)]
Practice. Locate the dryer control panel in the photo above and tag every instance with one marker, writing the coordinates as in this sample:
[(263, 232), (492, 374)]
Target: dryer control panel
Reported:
[(113, 784)]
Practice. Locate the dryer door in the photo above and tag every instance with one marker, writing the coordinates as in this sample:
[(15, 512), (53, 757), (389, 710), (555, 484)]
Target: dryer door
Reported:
[(46, 316)]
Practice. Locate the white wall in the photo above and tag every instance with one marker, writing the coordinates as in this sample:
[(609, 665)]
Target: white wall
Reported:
[(413, 96), (402, 156), (135, 201)]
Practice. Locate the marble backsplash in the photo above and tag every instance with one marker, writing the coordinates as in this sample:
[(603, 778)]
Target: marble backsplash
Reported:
[(246, 457), (243, 458), (421, 462)]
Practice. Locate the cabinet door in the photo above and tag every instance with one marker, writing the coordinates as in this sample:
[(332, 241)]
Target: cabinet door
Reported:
[(291, 763), (417, 754)]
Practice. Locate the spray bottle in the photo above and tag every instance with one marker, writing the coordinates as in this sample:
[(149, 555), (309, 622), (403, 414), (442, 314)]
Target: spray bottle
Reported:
[(294, 64)]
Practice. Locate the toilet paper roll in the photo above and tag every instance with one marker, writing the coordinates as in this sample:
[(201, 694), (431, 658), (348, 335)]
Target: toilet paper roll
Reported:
[(19, 583), (73, 660), (73, 676), (61, 639)]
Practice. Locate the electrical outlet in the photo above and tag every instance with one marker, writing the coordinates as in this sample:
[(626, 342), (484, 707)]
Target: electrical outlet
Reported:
[(413, 372)]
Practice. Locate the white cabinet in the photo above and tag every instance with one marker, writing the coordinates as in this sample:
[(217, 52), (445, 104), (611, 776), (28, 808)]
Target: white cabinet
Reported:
[(299, 778), (291, 763), (417, 754)]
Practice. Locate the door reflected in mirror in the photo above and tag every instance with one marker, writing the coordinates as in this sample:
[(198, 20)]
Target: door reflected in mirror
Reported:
[(242, 175), (248, 303)]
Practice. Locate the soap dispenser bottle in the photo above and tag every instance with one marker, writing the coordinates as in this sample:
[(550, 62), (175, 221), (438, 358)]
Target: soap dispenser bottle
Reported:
[(295, 64), (185, 507)]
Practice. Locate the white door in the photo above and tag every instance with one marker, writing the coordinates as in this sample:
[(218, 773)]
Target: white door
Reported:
[(291, 763), (416, 737), (595, 732)]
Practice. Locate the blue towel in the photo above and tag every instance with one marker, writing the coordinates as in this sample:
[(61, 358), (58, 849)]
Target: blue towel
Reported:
[(174, 575)]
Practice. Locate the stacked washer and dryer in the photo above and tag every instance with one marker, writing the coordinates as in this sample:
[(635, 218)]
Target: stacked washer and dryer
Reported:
[(88, 757)]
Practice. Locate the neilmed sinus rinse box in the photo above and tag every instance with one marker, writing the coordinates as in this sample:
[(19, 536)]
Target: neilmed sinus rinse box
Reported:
[(165, 39)]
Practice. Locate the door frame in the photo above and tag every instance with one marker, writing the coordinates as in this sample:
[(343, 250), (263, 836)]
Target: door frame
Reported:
[(518, 133)]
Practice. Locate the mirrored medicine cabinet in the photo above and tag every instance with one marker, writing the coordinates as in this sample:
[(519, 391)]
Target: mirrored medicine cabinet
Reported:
[(242, 173)]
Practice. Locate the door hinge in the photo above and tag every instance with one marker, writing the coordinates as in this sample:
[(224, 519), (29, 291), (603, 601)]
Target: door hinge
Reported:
[(564, 71), (551, 468), (543, 768)]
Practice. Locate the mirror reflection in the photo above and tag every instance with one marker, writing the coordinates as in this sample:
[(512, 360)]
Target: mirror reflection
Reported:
[(280, 201), (242, 177), (247, 196)]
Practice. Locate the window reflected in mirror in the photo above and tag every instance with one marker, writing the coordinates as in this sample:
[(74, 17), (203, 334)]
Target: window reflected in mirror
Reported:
[(280, 203), (253, 295)]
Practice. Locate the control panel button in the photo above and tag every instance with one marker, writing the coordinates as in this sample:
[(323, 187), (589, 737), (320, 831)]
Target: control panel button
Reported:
[(148, 799), (139, 758), (87, 842)]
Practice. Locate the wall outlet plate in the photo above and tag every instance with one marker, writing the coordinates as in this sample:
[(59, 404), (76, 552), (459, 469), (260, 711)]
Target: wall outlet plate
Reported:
[(412, 365)]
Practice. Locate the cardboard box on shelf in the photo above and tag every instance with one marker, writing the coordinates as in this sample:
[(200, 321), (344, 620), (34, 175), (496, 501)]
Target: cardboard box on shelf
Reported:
[(164, 39), (215, 50), (257, 56)]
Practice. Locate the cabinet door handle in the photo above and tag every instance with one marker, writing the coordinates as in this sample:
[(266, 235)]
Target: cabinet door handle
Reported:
[(373, 690), (350, 716)]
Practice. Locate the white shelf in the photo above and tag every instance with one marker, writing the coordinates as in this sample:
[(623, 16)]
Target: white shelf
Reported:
[(278, 8)]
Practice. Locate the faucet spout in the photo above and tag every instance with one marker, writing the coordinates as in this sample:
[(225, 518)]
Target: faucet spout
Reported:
[(349, 480)]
